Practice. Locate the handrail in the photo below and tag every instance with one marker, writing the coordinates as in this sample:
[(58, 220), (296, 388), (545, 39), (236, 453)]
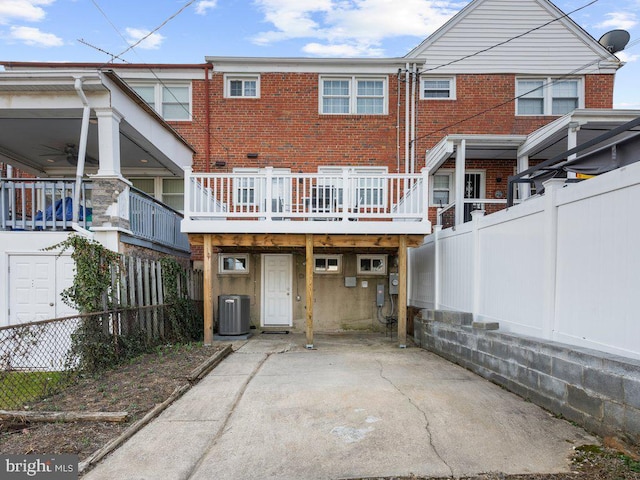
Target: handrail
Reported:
[(156, 222)]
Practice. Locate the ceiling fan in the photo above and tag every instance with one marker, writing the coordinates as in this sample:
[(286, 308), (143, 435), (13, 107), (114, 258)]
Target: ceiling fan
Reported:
[(70, 152)]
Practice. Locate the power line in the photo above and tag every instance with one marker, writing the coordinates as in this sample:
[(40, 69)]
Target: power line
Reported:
[(566, 15), (160, 81)]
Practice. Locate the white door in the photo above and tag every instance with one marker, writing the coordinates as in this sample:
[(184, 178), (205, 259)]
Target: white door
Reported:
[(276, 291), (35, 285)]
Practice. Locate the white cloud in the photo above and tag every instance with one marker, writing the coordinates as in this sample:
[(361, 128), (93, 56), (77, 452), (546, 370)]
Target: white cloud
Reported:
[(341, 50), (627, 105), (152, 42), (23, 10), (354, 26), (626, 57), (624, 20), (203, 5), (34, 37)]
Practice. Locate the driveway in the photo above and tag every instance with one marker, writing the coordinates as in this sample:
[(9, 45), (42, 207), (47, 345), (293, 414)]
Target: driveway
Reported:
[(357, 406)]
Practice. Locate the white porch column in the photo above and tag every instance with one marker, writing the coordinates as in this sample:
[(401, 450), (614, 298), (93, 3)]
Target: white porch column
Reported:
[(109, 142), (523, 188), (460, 167), (572, 142)]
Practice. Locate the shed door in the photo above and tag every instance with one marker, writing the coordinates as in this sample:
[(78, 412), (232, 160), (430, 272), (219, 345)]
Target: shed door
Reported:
[(35, 285), (276, 291)]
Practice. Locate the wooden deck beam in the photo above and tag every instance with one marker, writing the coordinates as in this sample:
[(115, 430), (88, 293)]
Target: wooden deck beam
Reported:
[(269, 240)]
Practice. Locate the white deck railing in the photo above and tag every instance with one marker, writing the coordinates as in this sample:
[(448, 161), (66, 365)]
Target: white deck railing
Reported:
[(273, 196), (37, 204)]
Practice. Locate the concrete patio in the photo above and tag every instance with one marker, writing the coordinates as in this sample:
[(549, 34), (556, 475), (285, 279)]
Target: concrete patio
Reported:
[(357, 406)]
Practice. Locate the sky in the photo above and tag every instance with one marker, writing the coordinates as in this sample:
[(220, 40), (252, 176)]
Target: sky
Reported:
[(185, 31)]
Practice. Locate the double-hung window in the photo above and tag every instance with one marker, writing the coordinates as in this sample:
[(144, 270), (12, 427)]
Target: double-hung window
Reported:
[(242, 86), (171, 101), (436, 88), (548, 96), (353, 96), (441, 189)]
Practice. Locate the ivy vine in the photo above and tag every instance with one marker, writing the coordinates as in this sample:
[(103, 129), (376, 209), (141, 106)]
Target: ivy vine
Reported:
[(183, 316)]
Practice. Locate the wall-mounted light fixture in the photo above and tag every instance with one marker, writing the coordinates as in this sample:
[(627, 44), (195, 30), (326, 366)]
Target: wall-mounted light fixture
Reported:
[(252, 155)]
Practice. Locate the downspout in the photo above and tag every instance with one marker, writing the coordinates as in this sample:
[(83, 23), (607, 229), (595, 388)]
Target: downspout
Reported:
[(414, 78), (82, 151), (406, 119), (398, 103), (207, 106)]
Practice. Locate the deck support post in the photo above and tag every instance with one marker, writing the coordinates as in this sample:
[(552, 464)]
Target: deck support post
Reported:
[(309, 281), (208, 289), (402, 292)]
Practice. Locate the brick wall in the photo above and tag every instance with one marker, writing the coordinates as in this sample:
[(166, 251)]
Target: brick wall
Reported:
[(285, 128)]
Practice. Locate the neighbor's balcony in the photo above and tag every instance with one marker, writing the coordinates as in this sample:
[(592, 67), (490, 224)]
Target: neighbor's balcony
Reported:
[(42, 204), (274, 202), (47, 205)]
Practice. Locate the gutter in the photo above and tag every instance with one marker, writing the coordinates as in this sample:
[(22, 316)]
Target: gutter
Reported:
[(82, 151)]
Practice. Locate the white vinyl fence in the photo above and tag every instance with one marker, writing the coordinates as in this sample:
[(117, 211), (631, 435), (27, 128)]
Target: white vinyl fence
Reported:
[(564, 266)]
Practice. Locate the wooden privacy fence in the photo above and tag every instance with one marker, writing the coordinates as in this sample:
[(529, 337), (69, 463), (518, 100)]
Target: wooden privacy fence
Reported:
[(140, 283)]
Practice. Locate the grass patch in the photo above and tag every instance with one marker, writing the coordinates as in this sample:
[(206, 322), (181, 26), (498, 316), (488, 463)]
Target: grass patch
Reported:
[(19, 388)]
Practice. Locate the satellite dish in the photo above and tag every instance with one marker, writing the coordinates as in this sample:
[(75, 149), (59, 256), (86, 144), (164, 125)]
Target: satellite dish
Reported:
[(615, 40)]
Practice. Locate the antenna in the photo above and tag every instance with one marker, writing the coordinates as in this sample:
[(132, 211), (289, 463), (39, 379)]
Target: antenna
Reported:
[(615, 40)]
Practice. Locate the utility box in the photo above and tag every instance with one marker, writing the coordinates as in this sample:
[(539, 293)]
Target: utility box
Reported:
[(394, 283), (233, 314)]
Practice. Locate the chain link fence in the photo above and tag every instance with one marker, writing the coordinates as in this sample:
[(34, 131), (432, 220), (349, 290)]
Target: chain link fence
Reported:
[(39, 359)]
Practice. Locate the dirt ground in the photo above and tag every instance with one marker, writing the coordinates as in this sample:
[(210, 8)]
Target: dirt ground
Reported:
[(134, 387), (140, 384)]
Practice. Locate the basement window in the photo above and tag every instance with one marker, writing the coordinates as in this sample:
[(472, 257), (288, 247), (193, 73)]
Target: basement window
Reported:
[(231, 264), (327, 263), (372, 264)]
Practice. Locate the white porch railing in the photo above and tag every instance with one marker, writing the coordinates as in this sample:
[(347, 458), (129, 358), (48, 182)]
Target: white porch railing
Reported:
[(36, 204), (273, 196), (155, 222)]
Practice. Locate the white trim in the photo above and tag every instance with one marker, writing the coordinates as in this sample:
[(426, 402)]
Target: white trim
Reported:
[(229, 77), (158, 96), (452, 87), (547, 94), (263, 284), (353, 95), (225, 256), (371, 257), (336, 66), (337, 257)]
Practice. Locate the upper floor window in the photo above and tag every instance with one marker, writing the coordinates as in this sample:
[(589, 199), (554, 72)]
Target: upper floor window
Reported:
[(169, 191), (436, 88), (171, 101), (369, 190), (353, 95), (242, 86), (548, 96)]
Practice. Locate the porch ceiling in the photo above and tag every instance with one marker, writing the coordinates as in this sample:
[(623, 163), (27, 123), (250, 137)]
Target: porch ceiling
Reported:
[(40, 121)]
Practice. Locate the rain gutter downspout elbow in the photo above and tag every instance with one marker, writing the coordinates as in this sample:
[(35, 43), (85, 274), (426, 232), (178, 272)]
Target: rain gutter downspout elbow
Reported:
[(82, 151)]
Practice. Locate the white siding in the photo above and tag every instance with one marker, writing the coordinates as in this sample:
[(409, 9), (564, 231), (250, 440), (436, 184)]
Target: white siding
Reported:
[(558, 48)]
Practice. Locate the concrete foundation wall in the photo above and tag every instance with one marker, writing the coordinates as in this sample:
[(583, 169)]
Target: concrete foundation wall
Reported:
[(336, 307), (599, 391)]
